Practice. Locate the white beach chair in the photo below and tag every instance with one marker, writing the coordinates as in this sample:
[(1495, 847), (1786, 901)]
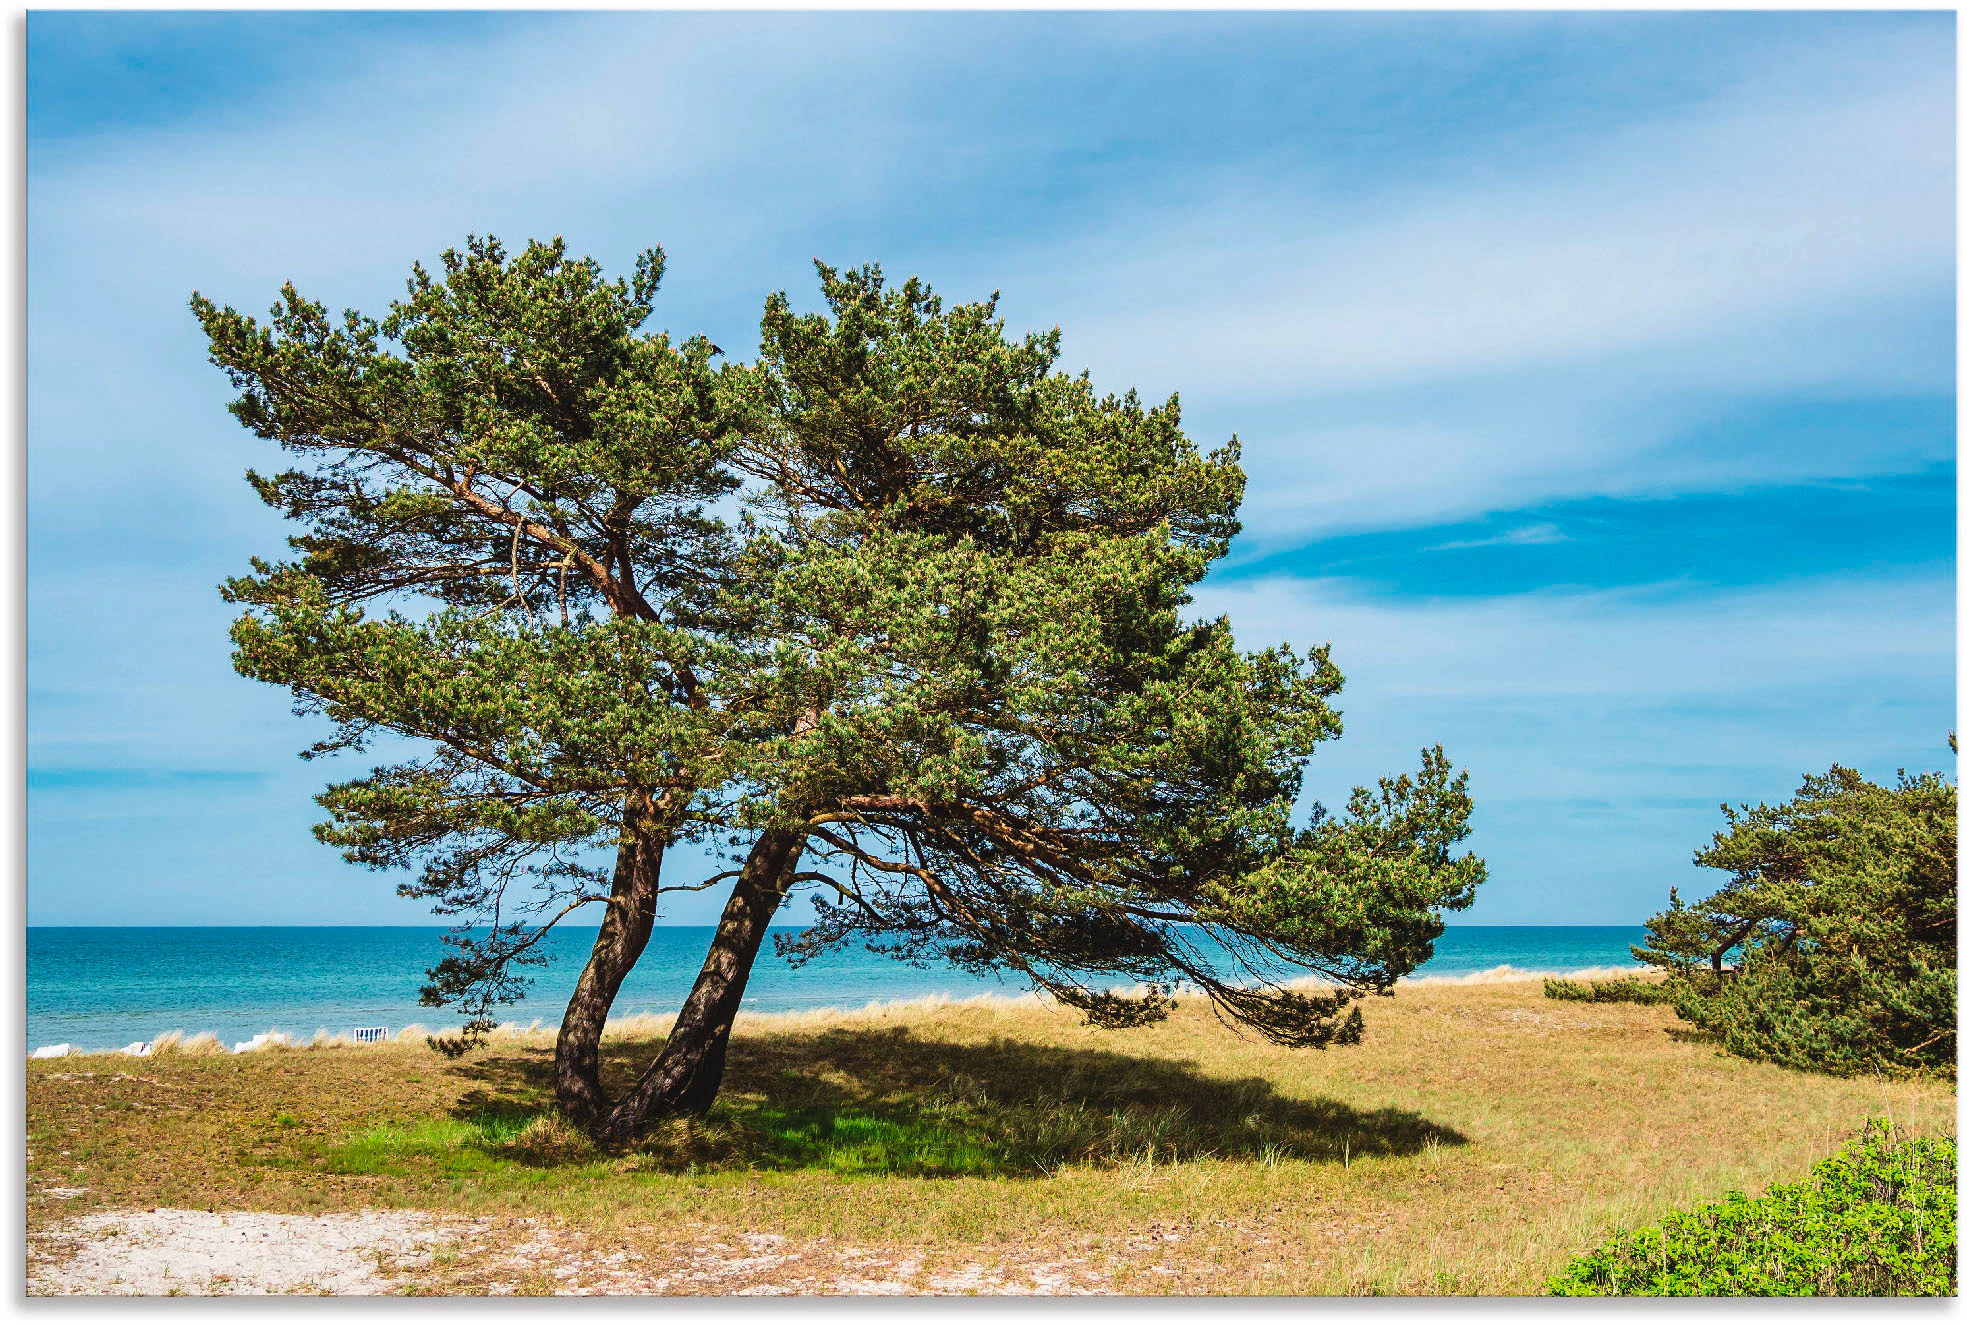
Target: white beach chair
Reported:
[(371, 1034)]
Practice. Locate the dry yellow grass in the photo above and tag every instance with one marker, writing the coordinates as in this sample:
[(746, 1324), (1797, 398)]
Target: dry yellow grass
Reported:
[(1477, 1139)]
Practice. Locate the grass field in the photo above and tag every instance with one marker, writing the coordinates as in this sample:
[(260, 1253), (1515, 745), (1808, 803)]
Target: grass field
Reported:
[(1480, 1137)]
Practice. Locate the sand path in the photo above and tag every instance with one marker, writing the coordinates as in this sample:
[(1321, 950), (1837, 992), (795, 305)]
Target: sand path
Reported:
[(168, 1252), (199, 1253)]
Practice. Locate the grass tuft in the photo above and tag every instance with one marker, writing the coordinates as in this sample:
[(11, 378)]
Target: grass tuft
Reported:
[(202, 1045), (1623, 989)]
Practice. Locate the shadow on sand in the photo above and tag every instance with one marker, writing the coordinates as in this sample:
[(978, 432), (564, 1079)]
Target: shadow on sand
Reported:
[(885, 1100)]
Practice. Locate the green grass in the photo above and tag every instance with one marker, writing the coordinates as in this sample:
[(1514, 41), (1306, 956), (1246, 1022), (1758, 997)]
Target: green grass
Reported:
[(450, 1146), (844, 1141), (807, 1122), (1878, 1219)]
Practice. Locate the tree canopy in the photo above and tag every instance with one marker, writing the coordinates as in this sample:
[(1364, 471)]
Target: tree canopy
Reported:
[(894, 615)]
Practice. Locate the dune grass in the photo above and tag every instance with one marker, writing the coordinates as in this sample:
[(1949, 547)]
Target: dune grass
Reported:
[(1479, 1139), (1622, 989)]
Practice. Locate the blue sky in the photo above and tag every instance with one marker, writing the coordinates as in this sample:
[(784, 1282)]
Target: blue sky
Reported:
[(1595, 372)]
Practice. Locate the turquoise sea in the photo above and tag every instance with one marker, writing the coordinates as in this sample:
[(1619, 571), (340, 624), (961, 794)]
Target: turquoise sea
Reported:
[(103, 987)]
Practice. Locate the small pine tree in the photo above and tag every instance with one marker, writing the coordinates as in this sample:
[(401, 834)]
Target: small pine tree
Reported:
[(1833, 946)]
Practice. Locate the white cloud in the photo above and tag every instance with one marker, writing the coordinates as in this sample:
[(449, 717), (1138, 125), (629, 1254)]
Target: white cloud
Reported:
[(1592, 694), (1651, 644), (1489, 340), (1525, 324), (1643, 427), (1695, 228)]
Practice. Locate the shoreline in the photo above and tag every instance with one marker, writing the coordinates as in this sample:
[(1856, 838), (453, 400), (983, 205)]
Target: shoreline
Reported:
[(656, 1023)]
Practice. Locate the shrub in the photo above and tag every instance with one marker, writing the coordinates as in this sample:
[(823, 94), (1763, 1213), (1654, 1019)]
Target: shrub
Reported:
[(1622, 989), (1875, 1220), (1832, 947)]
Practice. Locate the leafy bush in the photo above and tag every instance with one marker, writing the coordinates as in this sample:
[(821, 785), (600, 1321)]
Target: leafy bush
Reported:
[(1875, 1220), (1622, 989), (1839, 923)]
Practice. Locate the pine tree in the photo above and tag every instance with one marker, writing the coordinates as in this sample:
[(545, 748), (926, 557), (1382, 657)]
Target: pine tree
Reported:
[(1833, 944), (936, 670)]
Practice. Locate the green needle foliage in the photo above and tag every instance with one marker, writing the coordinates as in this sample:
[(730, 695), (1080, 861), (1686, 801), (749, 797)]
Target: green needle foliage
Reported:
[(1839, 922), (894, 615), (1878, 1219)]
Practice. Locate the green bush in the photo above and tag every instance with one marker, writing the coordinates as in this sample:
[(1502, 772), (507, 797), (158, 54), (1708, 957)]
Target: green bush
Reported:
[(1622, 989), (1875, 1220)]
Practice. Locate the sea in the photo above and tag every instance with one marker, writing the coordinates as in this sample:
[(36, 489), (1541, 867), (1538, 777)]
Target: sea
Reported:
[(103, 987)]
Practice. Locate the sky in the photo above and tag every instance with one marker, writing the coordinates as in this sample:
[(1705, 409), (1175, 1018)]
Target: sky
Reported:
[(1594, 372)]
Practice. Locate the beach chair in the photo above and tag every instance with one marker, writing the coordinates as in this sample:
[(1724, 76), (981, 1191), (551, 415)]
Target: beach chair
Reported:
[(371, 1034)]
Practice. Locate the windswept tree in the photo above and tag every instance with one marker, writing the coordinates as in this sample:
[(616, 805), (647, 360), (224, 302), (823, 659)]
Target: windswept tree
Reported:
[(1833, 944), (936, 671)]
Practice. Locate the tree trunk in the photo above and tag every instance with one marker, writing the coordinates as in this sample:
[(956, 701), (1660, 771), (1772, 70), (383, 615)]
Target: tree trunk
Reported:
[(685, 1077), (624, 934)]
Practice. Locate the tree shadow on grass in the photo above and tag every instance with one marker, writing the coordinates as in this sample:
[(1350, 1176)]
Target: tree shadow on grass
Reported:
[(885, 1101)]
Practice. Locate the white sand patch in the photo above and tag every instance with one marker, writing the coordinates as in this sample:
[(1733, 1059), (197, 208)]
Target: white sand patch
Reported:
[(159, 1253)]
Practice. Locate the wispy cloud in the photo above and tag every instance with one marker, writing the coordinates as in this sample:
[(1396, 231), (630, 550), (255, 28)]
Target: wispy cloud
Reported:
[(1529, 535), (1837, 636), (1484, 342), (1538, 317), (1820, 181)]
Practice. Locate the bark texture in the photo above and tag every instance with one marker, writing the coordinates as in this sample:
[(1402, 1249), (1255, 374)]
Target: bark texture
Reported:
[(624, 934), (685, 1077)]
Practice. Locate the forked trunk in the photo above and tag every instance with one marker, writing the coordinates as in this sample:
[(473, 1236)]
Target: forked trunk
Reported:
[(685, 1077)]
